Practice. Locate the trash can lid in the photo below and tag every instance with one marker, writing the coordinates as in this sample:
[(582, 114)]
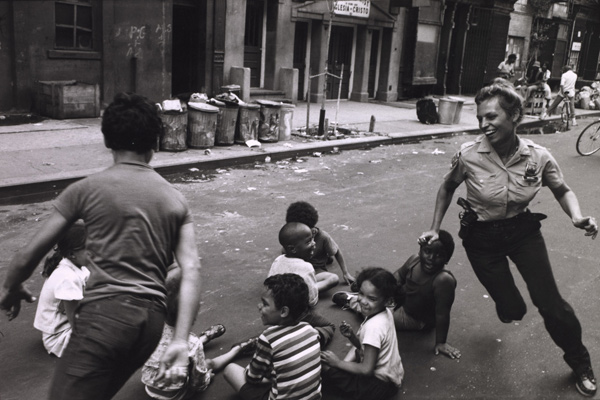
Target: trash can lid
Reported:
[(287, 105), (268, 103), (231, 87), (249, 105), (203, 107)]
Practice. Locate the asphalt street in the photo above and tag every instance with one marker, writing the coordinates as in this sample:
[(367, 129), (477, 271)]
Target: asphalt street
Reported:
[(375, 203)]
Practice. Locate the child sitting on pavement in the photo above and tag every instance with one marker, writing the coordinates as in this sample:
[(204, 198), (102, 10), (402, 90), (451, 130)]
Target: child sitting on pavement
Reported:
[(298, 244), (198, 375), (287, 359), (62, 290), (325, 247), (372, 371), (428, 293)]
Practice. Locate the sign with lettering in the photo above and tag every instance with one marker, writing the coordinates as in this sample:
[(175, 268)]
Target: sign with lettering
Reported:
[(352, 8)]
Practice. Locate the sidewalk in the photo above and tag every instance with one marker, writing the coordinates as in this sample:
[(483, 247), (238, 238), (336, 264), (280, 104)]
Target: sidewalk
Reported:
[(39, 160)]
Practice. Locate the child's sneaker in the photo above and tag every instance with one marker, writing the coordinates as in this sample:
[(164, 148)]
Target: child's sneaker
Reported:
[(342, 299), (585, 382), (574, 122)]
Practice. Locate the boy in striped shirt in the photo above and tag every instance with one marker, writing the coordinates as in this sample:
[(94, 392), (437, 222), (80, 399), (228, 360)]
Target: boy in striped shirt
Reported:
[(287, 361)]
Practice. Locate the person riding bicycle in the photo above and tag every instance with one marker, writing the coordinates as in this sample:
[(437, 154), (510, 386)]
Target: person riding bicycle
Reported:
[(567, 90)]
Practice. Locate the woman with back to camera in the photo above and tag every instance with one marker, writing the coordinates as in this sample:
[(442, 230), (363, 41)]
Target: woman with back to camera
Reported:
[(503, 173)]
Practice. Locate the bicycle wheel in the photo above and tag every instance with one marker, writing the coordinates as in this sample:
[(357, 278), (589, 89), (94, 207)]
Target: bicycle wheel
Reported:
[(588, 141)]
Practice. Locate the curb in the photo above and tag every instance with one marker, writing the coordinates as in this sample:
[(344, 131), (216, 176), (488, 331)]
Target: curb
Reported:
[(44, 188), (47, 187)]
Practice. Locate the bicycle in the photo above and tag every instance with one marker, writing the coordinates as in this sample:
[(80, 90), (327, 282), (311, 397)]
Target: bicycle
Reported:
[(588, 141), (565, 112)]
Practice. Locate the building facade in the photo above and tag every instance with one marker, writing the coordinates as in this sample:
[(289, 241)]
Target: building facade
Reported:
[(354, 49)]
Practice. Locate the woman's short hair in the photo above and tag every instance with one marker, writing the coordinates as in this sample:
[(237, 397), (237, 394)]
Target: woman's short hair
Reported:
[(510, 101), (131, 123)]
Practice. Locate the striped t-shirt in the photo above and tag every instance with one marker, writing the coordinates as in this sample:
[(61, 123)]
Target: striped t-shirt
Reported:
[(290, 357)]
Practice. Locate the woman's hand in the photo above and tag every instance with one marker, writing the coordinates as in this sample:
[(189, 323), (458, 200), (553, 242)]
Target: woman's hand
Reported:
[(428, 237), (329, 358), (447, 350), (587, 223)]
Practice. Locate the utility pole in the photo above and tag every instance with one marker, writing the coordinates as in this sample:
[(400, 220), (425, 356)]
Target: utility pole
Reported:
[(330, 8)]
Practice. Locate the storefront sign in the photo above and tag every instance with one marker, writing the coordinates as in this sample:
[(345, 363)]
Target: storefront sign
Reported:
[(352, 8), (576, 46)]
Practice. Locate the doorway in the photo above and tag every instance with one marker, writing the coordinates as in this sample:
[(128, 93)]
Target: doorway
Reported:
[(340, 54), (253, 40), (300, 41), (187, 71), (373, 63)]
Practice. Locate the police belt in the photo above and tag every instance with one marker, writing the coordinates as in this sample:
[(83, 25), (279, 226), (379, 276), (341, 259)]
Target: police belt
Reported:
[(518, 219)]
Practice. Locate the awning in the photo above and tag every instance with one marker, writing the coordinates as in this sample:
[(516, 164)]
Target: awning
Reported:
[(318, 10)]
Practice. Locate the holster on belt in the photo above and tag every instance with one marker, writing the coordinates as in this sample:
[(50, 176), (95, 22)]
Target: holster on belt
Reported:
[(467, 217)]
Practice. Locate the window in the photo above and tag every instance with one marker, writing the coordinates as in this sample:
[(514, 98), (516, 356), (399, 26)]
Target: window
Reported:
[(515, 45), (74, 25)]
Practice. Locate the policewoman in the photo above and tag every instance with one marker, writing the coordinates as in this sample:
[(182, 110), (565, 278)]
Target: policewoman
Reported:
[(503, 173)]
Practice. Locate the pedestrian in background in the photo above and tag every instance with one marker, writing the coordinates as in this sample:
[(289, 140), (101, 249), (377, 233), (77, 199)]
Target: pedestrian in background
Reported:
[(137, 223), (503, 174), (506, 69), (567, 90)]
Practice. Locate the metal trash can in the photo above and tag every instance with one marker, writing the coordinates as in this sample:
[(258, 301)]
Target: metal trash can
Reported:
[(447, 111), (175, 131), (286, 116), (202, 125), (247, 123), (268, 130), (459, 107), (226, 120)]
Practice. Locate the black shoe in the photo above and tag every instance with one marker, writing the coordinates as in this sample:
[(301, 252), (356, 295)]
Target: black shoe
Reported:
[(585, 382), (342, 299)]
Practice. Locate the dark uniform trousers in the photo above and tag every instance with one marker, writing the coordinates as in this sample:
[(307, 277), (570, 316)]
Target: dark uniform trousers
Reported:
[(488, 246)]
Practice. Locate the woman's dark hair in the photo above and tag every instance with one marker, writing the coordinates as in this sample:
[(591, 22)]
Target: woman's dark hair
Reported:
[(131, 123), (384, 281), (510, 101), (302, 212), (448, 242), (73, 239), (289, 290)]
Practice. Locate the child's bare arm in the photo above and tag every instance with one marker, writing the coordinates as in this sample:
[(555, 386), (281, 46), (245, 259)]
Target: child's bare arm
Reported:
[(70, 308), (347, 276), (347, 331), (366, 367), (443, 288)]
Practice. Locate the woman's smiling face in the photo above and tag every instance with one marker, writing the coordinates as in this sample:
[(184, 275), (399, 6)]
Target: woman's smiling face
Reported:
[(497, 125)]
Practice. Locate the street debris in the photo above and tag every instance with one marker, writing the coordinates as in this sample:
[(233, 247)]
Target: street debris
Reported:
[(288, 145), (436, 152), (193, 169), (300, 170), (316, 154), (433, 369), (267, 159), (375, 161), (253, 143), (319, 193), (251, 189), (207, 152)]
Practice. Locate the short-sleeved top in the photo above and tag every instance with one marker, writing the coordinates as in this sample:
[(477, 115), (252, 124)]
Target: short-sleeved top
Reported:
[(497, 191), (133, 218), (288, 265), (505, 68), (546, 75), (379, 331), (420, 299), (290, 357), (567, 82), (66, 283), (325, 247)]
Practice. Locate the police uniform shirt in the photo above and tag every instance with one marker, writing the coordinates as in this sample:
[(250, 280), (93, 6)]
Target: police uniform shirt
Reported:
[(497, 191)]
